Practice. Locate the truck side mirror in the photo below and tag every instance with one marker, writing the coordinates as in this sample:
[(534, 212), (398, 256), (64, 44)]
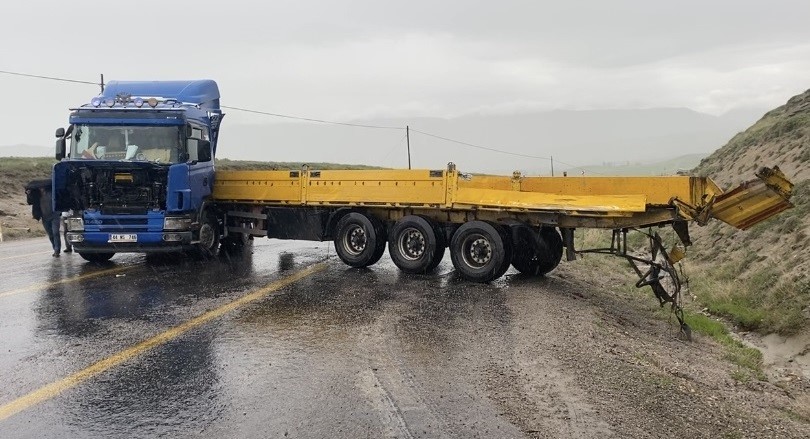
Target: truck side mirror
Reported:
[(60, 144), (203, 151)]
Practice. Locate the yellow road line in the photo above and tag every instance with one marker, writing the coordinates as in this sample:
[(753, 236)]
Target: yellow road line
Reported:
[(43, 285), (52, 390), (22, 256)]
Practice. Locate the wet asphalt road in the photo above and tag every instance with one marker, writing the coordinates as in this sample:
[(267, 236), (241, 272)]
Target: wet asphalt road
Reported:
[(339, 353)]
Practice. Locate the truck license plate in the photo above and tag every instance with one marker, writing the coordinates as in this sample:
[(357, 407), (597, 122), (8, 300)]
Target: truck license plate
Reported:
[(123, 237)]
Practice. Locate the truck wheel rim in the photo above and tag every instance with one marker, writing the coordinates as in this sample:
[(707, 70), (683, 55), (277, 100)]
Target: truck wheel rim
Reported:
[(411, 244), (476, 251), (356, 240), (207, 236)]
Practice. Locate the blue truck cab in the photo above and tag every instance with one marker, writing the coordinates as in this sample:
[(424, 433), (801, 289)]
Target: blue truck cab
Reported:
[(136, 169)]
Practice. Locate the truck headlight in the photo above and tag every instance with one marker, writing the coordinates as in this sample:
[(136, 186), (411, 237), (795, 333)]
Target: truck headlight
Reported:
[(176, 223), (74, 224)]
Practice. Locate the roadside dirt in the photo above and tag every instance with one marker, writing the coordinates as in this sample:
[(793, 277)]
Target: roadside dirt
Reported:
[(568, 356), (616, 363)]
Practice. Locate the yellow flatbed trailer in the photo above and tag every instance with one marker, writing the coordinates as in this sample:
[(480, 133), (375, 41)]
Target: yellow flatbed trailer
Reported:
[(487, 222)]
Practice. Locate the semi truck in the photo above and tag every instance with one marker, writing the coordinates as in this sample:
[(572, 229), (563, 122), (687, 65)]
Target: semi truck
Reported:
[(137, 172)]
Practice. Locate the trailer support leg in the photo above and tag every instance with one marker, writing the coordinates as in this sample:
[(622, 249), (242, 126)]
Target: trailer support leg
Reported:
[(568, 241)]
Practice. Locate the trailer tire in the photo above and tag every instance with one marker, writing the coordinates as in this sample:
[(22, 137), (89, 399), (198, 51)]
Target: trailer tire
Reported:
[(96, 257), (441, 245), (479, 251), (359, 239), (414, 245), (536, 253), (554, 249), (236, 243)]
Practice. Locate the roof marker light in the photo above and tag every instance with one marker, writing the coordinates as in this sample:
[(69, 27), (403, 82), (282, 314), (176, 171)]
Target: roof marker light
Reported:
[(153, 102), (96, 101), (138, 102)]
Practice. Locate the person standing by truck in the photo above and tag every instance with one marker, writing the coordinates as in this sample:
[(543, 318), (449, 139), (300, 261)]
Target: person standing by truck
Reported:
[(38, 195)]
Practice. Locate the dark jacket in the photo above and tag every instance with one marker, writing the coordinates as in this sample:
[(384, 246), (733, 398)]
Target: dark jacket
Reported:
[(38, 196)]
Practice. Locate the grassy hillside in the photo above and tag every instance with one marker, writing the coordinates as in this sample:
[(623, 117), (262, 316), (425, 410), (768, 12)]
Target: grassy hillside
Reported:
[(759, 278), (667, 167)]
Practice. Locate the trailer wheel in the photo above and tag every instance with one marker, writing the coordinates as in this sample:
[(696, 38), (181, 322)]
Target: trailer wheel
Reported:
[(414, 245), (236, 242), (359, 240), (536, 253), (480, 252), (96, 257)]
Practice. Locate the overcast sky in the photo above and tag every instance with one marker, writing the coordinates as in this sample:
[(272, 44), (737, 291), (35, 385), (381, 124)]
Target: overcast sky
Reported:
[(347, 60)]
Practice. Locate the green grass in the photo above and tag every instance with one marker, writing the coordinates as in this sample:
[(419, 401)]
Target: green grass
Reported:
[(764, 301), (747, 359)]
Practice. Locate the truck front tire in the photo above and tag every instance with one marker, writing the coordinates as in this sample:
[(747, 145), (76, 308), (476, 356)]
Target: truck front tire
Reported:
[(208, 236), (359, 240), (96, 257)]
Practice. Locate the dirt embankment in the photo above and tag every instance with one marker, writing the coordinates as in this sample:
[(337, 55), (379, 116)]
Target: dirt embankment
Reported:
[(758, 278), (15, 214)]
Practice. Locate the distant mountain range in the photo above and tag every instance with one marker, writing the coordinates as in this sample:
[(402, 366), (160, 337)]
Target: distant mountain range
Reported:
[(26, 151), (572, 138)]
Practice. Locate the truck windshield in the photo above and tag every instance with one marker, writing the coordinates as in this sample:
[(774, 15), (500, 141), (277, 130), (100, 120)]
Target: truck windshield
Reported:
[(127, 142)]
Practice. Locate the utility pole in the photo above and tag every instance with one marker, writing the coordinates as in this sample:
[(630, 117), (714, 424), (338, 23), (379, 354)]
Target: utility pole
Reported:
[(408, 139), (552, 165), (102, 83)]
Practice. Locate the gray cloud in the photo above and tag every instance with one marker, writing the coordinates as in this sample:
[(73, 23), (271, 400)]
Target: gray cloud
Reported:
[(370, 59)]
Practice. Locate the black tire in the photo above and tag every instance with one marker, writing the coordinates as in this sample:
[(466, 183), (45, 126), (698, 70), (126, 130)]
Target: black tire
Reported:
[(208, 236), (413, 245), (536, 253), (479, 251), (236, 243), (96, 257), (441, 245), (553, 243), (359, 239), (507, 247)]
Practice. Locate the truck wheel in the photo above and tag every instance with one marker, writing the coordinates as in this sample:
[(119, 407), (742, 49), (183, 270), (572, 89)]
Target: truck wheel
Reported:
[(414, 245), (536, 253), (96, 257), (480, 252), (236, 242), (359, 240), (208, 235)]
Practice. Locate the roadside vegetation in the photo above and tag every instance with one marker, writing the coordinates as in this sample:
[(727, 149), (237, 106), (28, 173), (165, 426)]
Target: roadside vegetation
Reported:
[(758, 279)]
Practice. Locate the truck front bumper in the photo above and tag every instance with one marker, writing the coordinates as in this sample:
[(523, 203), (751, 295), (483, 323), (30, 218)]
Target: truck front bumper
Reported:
[(146, 242)]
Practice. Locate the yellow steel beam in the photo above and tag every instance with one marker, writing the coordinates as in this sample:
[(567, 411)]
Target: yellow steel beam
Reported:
[(694, 197)]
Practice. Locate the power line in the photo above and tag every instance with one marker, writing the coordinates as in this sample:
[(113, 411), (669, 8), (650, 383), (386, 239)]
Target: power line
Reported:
[(308, 119), (48, 77), (485, 148)]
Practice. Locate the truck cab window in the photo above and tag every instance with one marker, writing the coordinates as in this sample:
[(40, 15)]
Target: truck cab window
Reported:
[(159, 144)]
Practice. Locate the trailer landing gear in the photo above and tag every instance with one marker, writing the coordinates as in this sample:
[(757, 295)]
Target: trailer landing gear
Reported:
[(660, 274)]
